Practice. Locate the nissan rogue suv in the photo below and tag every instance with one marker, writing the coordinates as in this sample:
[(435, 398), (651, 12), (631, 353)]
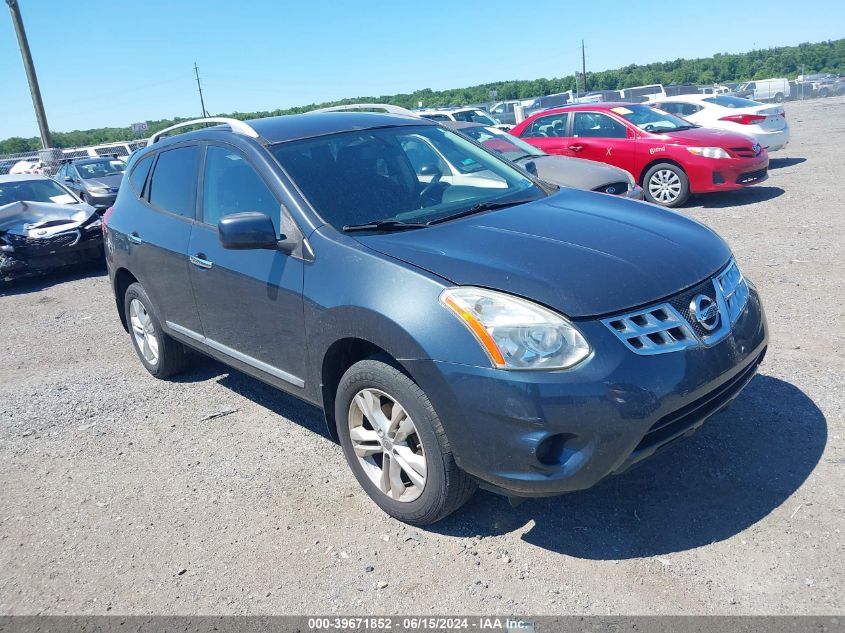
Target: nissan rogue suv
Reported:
[(497, 332)]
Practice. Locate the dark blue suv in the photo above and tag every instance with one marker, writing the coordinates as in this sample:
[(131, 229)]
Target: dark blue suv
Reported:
[(459, 321)]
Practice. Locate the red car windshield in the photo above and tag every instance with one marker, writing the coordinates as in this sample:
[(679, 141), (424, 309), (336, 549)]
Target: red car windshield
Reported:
[(652, 120)]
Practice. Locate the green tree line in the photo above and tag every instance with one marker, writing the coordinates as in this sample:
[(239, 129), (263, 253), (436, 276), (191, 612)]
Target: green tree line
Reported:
[(785, 61)]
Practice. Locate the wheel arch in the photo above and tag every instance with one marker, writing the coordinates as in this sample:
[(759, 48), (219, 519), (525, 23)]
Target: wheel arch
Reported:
[(122, 280), (658, 161)]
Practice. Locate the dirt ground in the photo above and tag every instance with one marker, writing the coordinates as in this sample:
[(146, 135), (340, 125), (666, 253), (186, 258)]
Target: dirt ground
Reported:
[(118, 496)]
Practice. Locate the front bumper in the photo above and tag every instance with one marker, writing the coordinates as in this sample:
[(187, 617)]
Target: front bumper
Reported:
[(32, 256), (547, 433), (708, 174)]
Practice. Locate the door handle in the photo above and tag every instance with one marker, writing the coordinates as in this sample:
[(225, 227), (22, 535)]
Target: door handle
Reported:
[(134, 238), (199, 262), (576, 147)]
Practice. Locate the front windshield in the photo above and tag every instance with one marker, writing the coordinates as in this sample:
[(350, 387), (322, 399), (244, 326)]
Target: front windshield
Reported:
[(728, 101), (652, 120), (474, 116), (35, 190), (411, 174), (507, 145), (101, 168)]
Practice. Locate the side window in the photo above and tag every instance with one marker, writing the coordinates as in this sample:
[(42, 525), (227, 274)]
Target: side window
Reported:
[(596, 125), (686, 109), (139, 174), (173, 182), (231, 185), (553, 125)]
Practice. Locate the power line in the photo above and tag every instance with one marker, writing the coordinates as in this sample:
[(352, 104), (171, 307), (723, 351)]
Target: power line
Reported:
[(199, 87)]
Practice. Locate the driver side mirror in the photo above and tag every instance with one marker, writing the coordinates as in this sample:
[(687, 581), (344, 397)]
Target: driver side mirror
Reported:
[(248, 231)]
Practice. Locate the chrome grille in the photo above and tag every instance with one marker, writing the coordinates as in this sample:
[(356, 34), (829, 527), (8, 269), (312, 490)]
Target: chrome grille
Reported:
[(671, 326), (654, 330), (734, 290)]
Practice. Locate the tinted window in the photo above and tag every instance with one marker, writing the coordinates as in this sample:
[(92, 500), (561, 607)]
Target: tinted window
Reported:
[(231, 185), (732, 102), (551, 125), (174, 180), (139, 174), (677, 108), (436, 117)]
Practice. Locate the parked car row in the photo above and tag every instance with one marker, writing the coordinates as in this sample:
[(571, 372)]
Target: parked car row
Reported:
[(669, 156)]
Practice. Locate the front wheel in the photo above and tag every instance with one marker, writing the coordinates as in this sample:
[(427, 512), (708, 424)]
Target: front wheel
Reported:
[(395, 445), (161, 355), (666, 184)]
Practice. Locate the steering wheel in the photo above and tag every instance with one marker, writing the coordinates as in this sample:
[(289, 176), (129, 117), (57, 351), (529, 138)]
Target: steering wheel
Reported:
[(429, 189)]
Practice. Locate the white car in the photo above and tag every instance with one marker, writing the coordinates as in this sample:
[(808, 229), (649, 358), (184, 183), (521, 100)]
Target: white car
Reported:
[(764, 123), (466, 114)]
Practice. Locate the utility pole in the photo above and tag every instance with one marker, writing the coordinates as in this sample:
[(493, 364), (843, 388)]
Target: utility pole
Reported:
[(29, 67), (199, 87), (584, 66)]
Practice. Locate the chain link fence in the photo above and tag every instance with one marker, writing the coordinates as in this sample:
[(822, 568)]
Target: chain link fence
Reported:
[(48, 161)]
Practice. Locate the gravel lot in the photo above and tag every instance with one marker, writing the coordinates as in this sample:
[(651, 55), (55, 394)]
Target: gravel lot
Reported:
[(119, 497)]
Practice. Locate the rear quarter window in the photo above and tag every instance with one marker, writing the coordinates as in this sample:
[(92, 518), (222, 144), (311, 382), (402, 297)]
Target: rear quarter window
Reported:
[(139, 174), (173, 183)]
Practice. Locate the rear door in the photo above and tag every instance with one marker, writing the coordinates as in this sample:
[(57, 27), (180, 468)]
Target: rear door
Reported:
[(249, 301), (549, 133), (600, 137), (159, 231)]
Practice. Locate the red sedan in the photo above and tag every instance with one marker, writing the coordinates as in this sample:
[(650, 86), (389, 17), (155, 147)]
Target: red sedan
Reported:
[(668, 156)]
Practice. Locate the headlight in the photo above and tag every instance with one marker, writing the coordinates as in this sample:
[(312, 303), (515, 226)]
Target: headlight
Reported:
[(708, 152), (516, 333), (98, 191)]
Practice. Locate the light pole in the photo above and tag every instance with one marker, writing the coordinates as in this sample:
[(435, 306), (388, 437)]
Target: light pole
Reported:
[(29, 67)]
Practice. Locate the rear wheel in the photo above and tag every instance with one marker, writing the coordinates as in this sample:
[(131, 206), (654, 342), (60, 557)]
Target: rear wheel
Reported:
[(666, 184), (395, 445), (779, 97), (160, 354)]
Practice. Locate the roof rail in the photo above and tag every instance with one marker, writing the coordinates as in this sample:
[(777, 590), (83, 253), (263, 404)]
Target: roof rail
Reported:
[(383, 107), (238, 127)]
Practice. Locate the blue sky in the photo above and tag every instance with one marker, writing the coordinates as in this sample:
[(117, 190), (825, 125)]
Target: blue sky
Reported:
[(110, 63)]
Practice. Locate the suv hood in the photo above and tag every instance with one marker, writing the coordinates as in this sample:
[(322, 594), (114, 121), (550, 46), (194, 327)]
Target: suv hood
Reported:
[(583, 254)]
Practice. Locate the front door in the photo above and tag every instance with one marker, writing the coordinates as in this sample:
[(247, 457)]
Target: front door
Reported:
[(599, 137), (249, 301)]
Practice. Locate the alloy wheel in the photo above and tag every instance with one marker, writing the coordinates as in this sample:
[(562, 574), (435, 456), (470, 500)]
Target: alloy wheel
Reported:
[(664, 186), (143, 331), (387, 445)]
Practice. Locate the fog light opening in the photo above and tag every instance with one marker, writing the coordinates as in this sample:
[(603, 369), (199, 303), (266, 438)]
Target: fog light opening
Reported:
[(552, 450)]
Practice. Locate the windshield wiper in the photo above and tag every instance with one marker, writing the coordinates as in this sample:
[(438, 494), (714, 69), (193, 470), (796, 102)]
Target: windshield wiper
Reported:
[(384, 225), (524, 156), (478, 208), (681, 128)]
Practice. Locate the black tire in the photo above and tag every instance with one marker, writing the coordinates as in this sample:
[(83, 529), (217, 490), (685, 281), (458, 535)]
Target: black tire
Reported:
[(656, 172), (779, 97), (446, 487), (173, 357)]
